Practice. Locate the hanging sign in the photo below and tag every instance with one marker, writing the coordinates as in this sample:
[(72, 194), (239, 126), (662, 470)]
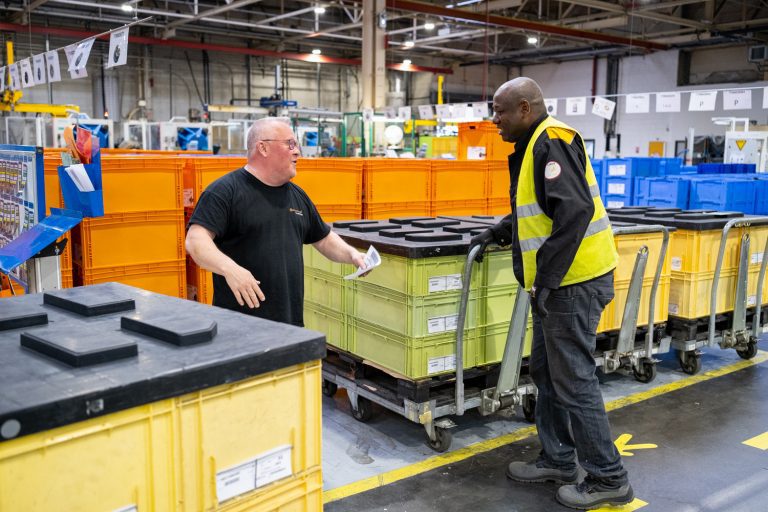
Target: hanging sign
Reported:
[(668, 102), (638, 103), (702, 101), (404, 113), (480, 110), (118, 48), (13, 70), (25, 68), (603, 107), (38, 69), (52, 63), (425, 112), (69, 51), (575, 106), (737, 99), (551, 106)]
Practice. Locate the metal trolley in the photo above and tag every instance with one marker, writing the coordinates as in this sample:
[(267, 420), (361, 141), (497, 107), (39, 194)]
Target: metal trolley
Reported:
[(433, 413), (627, 353), (737, 333)]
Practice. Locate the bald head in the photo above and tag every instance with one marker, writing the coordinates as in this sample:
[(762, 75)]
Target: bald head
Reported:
[(521, 89), (517, 104)]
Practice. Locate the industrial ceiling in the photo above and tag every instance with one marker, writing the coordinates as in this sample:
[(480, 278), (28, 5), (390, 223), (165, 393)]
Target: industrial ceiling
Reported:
[(442, 32)]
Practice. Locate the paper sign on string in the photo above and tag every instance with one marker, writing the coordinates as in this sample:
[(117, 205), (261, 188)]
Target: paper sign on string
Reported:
[(118, 48)]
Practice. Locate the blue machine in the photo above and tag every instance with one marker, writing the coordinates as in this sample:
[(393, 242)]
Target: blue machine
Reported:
[(187, 137)]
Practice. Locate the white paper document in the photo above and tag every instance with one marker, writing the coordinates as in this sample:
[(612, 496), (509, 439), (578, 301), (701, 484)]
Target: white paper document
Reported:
[(80, 178), (372, 260)]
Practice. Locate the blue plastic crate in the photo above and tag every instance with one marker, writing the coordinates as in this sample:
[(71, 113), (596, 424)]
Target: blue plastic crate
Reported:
[(710, 168), (669, 166), (724, 194), (662, 192), (616, 200), (761, 196)]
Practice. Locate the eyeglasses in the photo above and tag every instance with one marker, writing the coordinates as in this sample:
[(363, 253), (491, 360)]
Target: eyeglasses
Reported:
[(290, 142)]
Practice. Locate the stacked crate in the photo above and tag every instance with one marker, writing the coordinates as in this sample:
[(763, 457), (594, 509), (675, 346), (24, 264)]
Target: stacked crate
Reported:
[(498, 185), (396, 188), (459, 187), (334, 185), (481, 141), (199, 172), (140, 239)]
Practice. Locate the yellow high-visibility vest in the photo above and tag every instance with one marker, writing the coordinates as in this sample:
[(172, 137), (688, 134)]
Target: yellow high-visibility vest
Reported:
[(596, 254)]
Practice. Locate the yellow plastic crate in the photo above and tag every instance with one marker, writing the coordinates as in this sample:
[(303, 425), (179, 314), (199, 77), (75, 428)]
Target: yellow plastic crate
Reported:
[(696, 251), (496, 304), (628, 246), (315, 261), (614, 311), (106, 463), (408, 315), (166, 455), (494, 340), (414, 358), (224, 427), (331, 323), (129, 239), (496, 269), (420, 276), (444, 145), (325, 290), (689, 294), (166, 277)]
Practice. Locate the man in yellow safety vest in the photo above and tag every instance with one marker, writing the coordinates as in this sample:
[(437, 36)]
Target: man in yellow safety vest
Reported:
[(563, 253)]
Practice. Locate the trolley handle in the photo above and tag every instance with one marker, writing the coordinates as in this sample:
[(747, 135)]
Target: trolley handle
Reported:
[(738, 222), (460, 321)]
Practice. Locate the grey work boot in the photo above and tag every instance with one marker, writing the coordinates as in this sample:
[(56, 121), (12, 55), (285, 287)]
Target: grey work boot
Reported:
[(590, 493), (539, 472)]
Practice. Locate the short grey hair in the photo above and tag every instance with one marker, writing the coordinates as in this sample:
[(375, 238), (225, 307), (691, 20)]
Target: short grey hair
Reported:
[(261, 129)]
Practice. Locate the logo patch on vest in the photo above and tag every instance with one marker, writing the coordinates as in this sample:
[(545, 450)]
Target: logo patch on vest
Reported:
[(552, 170)]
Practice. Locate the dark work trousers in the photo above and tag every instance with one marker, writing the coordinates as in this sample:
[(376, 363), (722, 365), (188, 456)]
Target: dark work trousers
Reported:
[(570, 413)]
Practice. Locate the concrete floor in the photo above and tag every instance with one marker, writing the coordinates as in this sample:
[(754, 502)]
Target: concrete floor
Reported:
[(698, 424)]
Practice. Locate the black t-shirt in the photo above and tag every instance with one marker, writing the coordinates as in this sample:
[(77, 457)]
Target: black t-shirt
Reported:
[(262, 229)]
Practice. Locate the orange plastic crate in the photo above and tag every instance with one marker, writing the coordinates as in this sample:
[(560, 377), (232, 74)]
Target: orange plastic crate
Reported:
[(201, 171), (498, 180), (387, 210), (141, 183), (167, 277), (474, 207), (499, 207), (66, 279), (459, 180), (199, 283), (331, 181), (389, 180), (129, 239), (485, 135), (334, 213)]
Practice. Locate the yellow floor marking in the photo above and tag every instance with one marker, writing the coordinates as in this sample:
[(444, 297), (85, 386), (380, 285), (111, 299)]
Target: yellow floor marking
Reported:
[(623, 447), (760, 442), (629, 507), (437, 461)]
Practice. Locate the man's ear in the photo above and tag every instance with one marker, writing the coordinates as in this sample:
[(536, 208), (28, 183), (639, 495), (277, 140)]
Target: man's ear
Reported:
[(525, 107)]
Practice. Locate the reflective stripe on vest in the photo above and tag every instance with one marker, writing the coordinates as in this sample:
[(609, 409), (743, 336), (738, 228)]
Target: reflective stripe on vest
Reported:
[(596, 254)]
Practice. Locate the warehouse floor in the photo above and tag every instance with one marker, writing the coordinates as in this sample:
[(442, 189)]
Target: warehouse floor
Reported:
[(699, 462)]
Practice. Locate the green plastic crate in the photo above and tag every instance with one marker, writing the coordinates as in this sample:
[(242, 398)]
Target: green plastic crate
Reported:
[(414, 358), (497, 270), (334, 325), (316, 261), (326, 290), (422, 276), (407, 315), (496, 304), (494, 338)]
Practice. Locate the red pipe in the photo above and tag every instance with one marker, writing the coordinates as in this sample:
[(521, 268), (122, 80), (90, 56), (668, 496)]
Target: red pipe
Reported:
[(305, 57)]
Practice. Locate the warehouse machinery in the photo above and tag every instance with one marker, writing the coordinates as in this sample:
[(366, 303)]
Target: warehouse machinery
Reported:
[(744, 145), (103, 129)]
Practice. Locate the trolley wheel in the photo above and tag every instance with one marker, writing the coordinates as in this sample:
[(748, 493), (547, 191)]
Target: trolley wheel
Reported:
[(364, 410), (442, 442), (648, 371), (749, 352), (529, 408), (690, 361), (329, 388)]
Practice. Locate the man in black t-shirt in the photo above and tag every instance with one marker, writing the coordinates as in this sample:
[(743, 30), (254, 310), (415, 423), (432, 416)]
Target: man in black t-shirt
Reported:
[(249, 226)]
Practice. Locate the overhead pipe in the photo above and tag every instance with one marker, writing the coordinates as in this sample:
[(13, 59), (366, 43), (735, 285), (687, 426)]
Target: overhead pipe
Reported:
[(458, 14), (191, 45)]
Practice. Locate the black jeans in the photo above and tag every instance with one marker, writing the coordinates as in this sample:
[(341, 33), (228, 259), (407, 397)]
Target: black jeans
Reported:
[(570, 414)]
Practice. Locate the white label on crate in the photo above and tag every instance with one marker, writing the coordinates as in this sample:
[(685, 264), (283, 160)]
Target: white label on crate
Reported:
[(189, 197), (441, 364), (673, 309), (677, 263), (751, 300), (437, 284), (615, 204), (617, 170), (615, 188), (476, 153), (435, 325), (129, 508), (453, 282), (273, 466), (757, 257), (235, 481), (451, 321)]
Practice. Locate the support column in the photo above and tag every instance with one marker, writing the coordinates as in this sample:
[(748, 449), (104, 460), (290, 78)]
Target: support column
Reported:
[(374, 54)]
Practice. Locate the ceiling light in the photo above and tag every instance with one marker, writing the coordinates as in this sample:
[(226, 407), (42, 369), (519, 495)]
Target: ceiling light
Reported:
[(319, 10), (407, 62), (316, 51), (127, 7), (429, 26), (408, 44), (533, 39)]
